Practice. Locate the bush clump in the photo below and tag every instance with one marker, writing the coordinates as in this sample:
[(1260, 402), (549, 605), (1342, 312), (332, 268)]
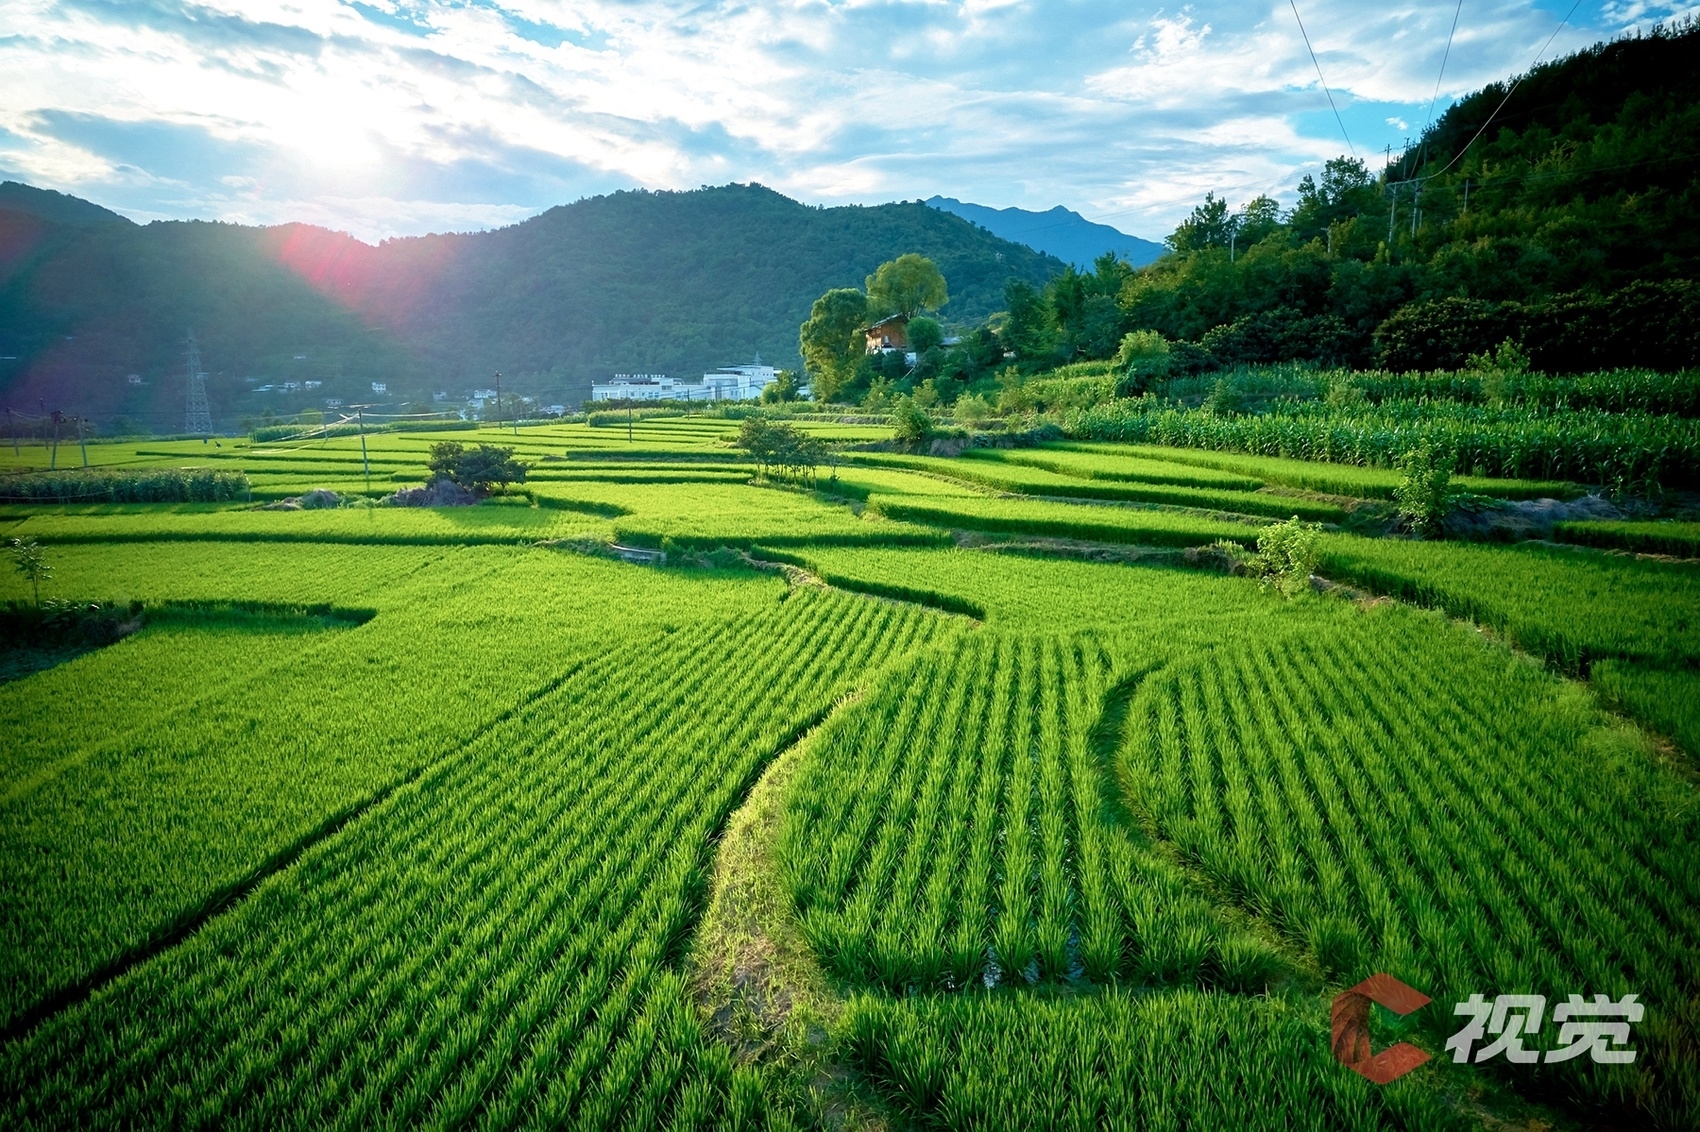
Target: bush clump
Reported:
[(478, 470), (1424, 493), (1285, 557), (910, 422)]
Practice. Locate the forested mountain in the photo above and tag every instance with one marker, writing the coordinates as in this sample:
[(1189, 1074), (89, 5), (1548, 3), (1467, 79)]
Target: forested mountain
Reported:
[(635, 281), (1057, 231), (1548, 193)]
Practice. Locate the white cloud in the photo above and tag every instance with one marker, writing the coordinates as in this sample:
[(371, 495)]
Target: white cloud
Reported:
[(398, 116)]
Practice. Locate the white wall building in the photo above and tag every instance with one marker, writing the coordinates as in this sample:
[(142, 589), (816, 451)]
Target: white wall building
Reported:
[(728, 383)]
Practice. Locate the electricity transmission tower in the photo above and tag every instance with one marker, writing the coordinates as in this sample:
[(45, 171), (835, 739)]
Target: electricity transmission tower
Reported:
[(199, 419)]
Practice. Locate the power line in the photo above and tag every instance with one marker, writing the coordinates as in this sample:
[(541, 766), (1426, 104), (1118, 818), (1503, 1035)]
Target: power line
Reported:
[(1323, 81), (1460, 154), (1434, 98)]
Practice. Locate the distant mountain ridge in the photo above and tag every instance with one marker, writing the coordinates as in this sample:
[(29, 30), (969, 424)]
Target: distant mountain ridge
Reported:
[(56, 207), (653, 282), (1059, 231)]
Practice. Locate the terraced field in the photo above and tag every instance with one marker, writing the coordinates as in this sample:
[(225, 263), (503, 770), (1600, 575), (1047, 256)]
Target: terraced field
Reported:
[(413, 816)]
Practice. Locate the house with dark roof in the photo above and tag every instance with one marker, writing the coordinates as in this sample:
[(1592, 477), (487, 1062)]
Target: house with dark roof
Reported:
[(890, 333)]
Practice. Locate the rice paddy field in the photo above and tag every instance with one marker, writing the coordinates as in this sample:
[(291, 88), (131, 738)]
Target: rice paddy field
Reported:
[(938, 792)]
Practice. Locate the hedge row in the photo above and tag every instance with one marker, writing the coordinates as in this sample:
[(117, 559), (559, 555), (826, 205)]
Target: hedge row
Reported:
[(141, 485), (1650, 325)]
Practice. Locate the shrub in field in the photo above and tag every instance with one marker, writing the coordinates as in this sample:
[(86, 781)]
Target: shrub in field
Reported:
[(1424, 493), (1286, 555), (1143, 360), (910, 422), (30, 559)]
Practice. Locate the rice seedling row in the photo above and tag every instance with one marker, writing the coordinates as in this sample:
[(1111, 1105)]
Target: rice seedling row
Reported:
[(1305, 475), (1025, 480), (189, 793), (1416, 803), (951, 832), (1146, 526), (494, 944)]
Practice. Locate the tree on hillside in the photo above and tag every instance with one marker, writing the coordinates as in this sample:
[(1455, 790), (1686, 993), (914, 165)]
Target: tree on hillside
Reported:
[(1347, 190), (1031, 330), (1208, 227), (831, 341), (906, 285)]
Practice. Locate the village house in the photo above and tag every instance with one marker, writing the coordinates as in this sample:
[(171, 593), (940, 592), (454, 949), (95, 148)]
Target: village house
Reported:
[(728, 383), (890, 333)]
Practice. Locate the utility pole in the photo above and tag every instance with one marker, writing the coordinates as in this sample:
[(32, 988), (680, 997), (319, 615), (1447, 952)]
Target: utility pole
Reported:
[(628, 422), (360, 416), (1466, 196), (1233, 237), (1392, 208), (53, 461), (498, 398), (1416, 206), (81, 443), (12, 427)]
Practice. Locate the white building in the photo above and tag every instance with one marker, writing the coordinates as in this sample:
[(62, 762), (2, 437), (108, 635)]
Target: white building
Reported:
[(728, 383)]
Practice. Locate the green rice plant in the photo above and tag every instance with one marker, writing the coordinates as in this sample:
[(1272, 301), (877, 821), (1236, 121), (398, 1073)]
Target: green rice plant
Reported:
[(1144, 526), (1104, 464), (377, 526), (1656, 536), (1314, 475), (950, 831), (1175, 1058), (1665, 699), (1571, 607), (1027, 480), (175, 798), (497, 937), (1406, 798)]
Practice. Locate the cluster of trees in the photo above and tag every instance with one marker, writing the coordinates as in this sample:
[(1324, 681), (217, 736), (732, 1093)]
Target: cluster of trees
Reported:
[(481, 469), (1555, 213), (779, 447)]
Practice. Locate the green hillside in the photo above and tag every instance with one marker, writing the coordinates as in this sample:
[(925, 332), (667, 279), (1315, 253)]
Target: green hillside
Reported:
[(1552, 209), (634, 281)]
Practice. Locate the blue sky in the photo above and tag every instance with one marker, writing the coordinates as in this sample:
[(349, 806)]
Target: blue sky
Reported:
[(396, 117)]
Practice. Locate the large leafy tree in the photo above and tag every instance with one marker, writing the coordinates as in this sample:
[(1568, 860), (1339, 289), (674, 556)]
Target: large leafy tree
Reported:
[(906, 285), (831, 340)]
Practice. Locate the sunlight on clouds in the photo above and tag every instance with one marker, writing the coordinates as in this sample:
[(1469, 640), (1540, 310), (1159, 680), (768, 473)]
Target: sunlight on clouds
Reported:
[(405, 115)]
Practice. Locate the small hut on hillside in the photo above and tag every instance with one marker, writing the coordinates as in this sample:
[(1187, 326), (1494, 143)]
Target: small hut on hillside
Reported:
[(890, 333)]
